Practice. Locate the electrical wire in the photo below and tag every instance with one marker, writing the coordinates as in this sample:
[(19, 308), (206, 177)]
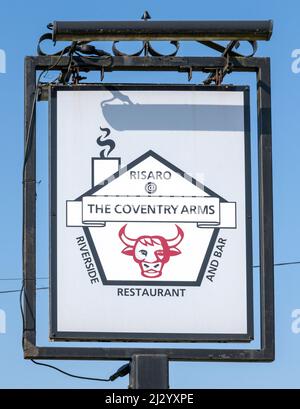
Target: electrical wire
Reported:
[(47, 278), (28, 146), (18, 291), (120, 372), (54, 65), (124, 370), (22, 313), (28, 141), (21, 279), (288, 263), (69, 374)]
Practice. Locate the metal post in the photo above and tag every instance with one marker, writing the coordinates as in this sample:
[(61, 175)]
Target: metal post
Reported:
[(266, 207), (29, 192), (149, 372)]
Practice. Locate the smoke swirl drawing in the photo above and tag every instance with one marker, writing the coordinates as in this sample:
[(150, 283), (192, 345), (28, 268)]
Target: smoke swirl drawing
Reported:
[(108, 144)]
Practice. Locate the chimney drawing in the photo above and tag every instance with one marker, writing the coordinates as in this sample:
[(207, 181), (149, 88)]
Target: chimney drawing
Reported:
[(103, 168)]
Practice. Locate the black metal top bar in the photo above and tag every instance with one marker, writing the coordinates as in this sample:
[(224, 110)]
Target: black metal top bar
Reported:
[(204, 64), (162, 30)]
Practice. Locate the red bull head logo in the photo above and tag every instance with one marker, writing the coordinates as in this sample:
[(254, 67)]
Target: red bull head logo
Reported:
[(151, 253)]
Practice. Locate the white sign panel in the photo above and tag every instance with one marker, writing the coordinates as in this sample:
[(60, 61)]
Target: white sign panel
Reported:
[(151, 215)]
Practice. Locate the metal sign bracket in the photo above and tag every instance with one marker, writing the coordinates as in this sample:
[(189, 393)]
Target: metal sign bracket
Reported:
[(74, 60)]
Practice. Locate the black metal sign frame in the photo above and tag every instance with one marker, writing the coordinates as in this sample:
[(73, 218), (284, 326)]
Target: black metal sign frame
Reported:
[(260, 66)]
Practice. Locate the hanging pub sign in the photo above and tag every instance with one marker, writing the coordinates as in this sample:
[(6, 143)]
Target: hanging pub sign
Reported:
[(150, 213)]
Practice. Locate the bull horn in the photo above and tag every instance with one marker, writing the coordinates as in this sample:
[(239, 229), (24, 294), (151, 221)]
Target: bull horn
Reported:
[(126, 240), (178, 239)]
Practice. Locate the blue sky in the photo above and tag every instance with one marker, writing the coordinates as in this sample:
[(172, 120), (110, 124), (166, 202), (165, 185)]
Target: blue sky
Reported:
[(21, 24)]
